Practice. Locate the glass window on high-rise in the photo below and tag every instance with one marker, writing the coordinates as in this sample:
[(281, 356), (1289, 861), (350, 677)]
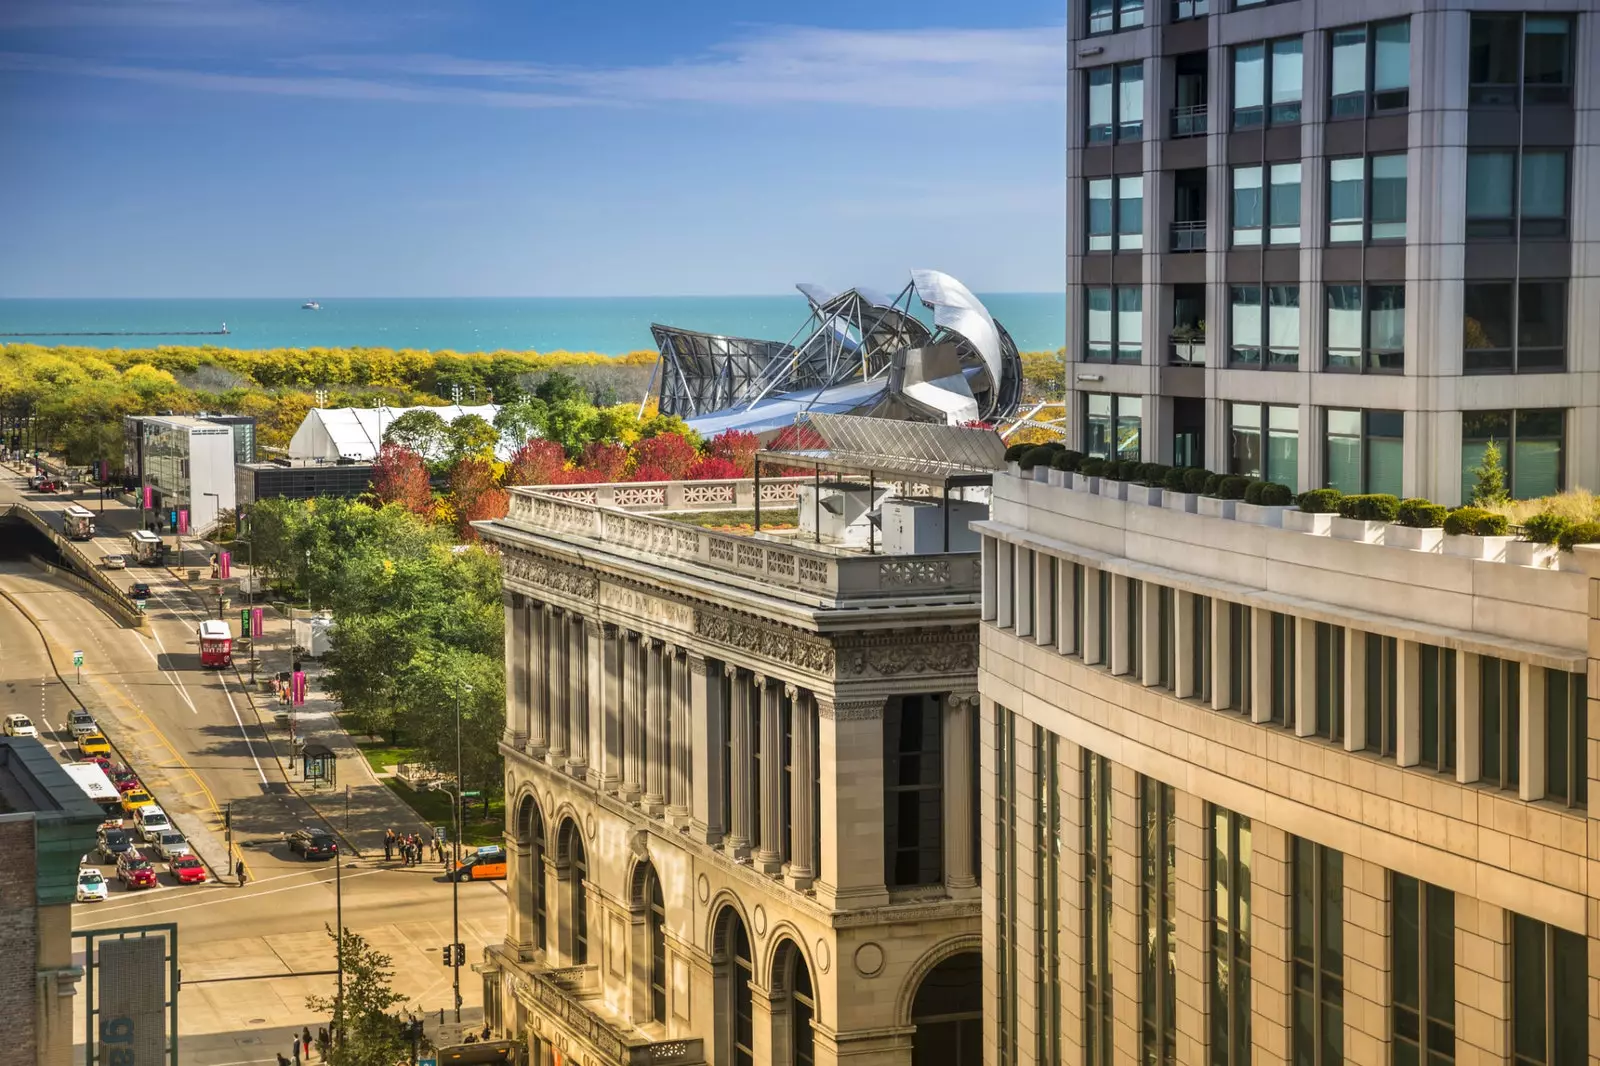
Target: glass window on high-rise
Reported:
[(1531, 442), (1364, 451), (1549, 994)]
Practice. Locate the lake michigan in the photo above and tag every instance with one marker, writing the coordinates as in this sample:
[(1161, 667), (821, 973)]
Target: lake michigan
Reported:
[(611, 325)]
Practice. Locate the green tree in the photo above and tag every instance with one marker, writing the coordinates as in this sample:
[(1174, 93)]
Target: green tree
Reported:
[(366, 1027), (421, 431), (519, 421), (1490, 478), (470, 437)]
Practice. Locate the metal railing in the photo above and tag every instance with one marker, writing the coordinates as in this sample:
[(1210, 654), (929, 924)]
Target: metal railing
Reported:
[(1186, 353), (1189, 121), (1189, 236)]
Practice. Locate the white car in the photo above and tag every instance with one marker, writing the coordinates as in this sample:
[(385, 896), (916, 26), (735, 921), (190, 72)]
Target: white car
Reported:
[(151, 822), (171, 846), (20, 725), (92, 886), (115, 562)]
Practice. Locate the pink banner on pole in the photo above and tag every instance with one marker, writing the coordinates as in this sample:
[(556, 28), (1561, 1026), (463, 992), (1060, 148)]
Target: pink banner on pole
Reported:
[(183, 520), (257, 625), (298, 688), (224, 565), (149, 498)]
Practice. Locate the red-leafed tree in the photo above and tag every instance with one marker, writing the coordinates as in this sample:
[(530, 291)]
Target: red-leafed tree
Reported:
[(716, 467), (738, 447), (650, 473), (538, 462), (400, 476), (670, 454), (603, 461), (475, 495)]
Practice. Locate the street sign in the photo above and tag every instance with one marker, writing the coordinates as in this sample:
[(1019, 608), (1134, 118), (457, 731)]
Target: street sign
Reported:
[(429, 1061), (439, 833), (77, 658), (471, 793)]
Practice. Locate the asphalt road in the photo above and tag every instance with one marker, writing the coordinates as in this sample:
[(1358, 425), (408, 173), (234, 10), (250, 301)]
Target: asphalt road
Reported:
[(250, 955)]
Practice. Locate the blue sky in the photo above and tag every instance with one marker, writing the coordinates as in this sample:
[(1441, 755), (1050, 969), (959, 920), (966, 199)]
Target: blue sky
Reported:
[(527, 147)]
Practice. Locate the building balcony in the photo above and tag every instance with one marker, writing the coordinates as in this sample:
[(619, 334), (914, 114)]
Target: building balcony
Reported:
[(1188, 121), (1189, 236)]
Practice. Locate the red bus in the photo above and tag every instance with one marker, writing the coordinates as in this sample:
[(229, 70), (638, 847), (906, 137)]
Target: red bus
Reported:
[(216, 643)]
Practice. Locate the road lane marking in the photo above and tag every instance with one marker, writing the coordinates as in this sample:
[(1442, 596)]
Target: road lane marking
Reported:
[(231, 898)]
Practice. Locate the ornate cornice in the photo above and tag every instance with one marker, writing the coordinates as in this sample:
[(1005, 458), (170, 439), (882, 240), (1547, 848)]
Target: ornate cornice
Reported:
[(922, 651), (521, 566), (771, 642), (850, 710)]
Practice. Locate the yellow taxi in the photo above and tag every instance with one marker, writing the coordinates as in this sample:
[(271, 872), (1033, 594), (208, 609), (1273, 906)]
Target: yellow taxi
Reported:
[(94, 744), (135, 798), (489, 864)]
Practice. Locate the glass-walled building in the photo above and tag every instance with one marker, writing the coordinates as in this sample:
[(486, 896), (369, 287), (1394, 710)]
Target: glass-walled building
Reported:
[(188, 466)]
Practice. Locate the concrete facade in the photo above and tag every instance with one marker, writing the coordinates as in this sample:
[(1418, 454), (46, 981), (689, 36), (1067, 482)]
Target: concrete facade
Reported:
[(1346, 720), (1176, 136), (663, 860)]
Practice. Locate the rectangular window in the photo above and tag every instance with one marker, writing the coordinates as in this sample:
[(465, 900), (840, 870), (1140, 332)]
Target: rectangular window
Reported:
[(1130, 214), (1101, 126), (1099, 324), (1286, 77), (1388, 197), (1108, 16), (1099, 220), (1532, 446), (1366, 337), (1158, 879), (1438, 691), (1330, 681), (1229, 913), (1097, 1019), (1367, 190), (1347, 199), (1382, 691), (1133, 626), (1005, 863), (1316, 920), (1103, 616), (1166, 657), (1566, 737), (1364, 451), (1281, 707), (1499, 720), (1248, 206), (1508, 196), (1283, 204), (1240, 652), (1519, 60), (1423, 965), (1113, 319), (1111, 426), (1077, 609), (1549, 994), (1116, 103), (1370, 63), (1511, 327), (1278, 457), (1249, 85), (1200, 645), (1047, 909), (1130, 101), (1269, 336), (913, 783)]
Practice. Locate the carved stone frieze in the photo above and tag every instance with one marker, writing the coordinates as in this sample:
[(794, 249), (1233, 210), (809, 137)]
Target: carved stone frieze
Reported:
[(850, 710), (770, 642), (642, 605), (918, 651), (521, 566)]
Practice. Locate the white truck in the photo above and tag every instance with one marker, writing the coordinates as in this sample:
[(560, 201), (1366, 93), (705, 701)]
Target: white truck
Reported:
[(95, 784)]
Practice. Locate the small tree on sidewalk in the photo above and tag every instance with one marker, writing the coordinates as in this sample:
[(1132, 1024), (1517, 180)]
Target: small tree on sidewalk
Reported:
[(365, 1032)]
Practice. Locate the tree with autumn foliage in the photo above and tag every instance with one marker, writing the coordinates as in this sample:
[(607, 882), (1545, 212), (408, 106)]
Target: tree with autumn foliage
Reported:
[(400, 476), (537, 462), (663, 457), (602, 461), (475, 495), (738, 447)]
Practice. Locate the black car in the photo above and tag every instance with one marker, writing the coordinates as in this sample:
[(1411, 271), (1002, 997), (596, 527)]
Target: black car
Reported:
[(139, 591), (113, 842), (313, 844)]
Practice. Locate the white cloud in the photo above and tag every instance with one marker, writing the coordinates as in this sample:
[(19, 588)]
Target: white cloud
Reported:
[(942, 69)]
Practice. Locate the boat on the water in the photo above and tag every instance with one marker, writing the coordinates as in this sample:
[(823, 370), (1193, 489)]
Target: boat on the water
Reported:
[(311, 305)]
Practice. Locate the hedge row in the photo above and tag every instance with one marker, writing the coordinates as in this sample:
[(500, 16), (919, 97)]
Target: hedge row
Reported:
[(1157, 475), (1415, 512)]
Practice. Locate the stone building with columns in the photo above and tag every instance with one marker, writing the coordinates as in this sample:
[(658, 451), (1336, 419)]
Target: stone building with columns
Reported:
[(741, 802), (1268, 787)]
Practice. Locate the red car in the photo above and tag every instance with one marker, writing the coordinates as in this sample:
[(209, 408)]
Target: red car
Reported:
[(135, 871), (188, 870), (125, 780)]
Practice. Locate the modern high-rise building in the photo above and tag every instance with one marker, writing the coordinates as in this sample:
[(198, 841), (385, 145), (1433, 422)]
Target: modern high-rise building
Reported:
[(1336, 242)]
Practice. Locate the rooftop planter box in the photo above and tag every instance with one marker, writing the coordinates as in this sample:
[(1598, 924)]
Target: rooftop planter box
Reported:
[(1116, 490), (1358, 529), (1260, 514), (1418, 540), (1313, 522), (1147, 495), (1532, 553), (1179, 501), (1059, 478), (1216, 507), (1468, 546)]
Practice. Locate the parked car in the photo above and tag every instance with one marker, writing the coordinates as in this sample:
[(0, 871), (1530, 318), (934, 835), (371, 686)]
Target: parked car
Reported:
[(151, 821), (135, 871), (170, 846), (20, 725), (488, 864), (124, 780), (313, 844), (139, 590), (113, 844), (115, 562), (34, 480), (92, 885), (81, 722), (94, 744), (188, 870)]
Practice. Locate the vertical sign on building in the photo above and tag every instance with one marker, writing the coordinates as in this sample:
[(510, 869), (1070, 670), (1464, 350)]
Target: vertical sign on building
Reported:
[(183, 520), (131, 980)]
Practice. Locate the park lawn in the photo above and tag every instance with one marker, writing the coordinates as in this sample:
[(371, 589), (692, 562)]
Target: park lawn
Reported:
[(739, 521), (381, 756), (434, 808)]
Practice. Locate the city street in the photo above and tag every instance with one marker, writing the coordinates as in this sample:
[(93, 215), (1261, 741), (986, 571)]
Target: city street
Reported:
[(249, 955)]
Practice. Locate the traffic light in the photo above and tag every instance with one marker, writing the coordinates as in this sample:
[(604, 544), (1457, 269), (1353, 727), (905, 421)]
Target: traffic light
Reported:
[(447, 952), (461, 954)]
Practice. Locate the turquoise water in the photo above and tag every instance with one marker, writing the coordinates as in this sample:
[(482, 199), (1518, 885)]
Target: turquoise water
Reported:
[(612, 325)]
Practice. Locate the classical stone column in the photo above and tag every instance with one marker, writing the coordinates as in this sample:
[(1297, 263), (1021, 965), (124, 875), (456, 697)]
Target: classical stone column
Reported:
[(610, 713), (578, 674), (632, 720), (681, 740), (560, 688), (516, 637), (850, 753), (538, 668), (743, 813), (706, 742), (769, 856), (960, 877), (655, 771), (802, 789)]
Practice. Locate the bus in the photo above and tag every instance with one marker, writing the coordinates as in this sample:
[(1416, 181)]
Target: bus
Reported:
[(216, 643), (78, 522), (96, 785), (145, 547)]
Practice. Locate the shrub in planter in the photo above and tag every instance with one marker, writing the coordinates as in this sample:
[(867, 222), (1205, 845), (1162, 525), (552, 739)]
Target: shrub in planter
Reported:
[(1581, 533), (1173, 479), (1232, 487), (1066, 460), (1475, 521), (1092, 468), (1155, 474), (1548, 527), (1195, 479), (1252, 491), (1212, 485), (1370, 507), (1039, 454), (1273, 494), (1320, 501), (1419, 513), (1014, 452), (1122, 469)]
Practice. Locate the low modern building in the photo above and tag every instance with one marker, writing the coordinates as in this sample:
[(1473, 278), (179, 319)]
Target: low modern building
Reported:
[(188, 466), (243, 428), (1270, 787), (739, 765), (354, 434), (46, 825), (299, 479)]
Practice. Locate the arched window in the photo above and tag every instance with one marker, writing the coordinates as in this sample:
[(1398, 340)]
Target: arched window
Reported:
[(576, 863), (948, 1013), (530, 872), (794, 1008), (735, 971), (656, 926)]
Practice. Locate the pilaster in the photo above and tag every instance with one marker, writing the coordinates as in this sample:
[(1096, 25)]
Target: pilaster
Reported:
[(560, 687), (960, 878), (1221, 653), (632, 717), (769, 855), (740, 830), (1184, 680), (1408, 690), (850, 735), (1530, 742), (680, 741), (656, 730), (1483, 983), (538, 695), (802, 869), (707, 743), (1355, 690)]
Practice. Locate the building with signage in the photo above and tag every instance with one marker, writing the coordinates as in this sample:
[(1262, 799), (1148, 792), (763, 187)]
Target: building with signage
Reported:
[(46, 824), (1262, 786), (739, 762), (299, 479), (188, 465), (243, 428)]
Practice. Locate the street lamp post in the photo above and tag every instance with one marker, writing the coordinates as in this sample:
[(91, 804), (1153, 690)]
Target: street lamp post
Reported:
[(455, 874), (218, 498)]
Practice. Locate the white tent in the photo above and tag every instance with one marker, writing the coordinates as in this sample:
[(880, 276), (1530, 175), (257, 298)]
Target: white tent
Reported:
[(332, 433)]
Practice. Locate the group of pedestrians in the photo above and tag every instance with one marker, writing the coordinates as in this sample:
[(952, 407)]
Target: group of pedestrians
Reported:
[(412, 848), (303, 1047)]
